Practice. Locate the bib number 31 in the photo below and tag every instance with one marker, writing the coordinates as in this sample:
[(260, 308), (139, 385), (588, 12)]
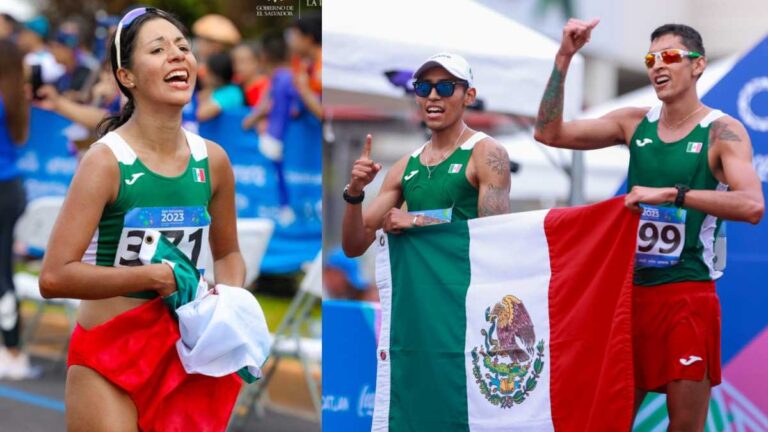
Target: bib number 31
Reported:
[(185, 227), (660, 237)]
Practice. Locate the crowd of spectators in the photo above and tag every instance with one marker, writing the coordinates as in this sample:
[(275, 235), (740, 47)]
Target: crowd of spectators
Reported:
[(276, 75)]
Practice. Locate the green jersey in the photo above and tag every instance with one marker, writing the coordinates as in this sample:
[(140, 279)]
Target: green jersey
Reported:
[(176, 206), (443, 187), (654, 163)]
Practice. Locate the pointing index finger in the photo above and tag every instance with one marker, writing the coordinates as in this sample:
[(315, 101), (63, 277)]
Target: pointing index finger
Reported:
[(367, 147)]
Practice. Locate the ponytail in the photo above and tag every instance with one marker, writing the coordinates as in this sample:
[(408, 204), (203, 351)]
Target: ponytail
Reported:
[(113, 122)]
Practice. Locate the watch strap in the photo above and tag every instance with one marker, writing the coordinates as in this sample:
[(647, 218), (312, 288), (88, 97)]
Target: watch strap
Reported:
[(352, 199), (681, 191)]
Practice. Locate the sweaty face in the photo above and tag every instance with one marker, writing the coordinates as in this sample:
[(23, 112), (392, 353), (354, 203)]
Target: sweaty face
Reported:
[(671, 80), (163, 68), (441, 112)]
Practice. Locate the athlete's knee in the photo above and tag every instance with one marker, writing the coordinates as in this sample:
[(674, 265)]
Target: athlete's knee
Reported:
[(687, 420), (690, 424)]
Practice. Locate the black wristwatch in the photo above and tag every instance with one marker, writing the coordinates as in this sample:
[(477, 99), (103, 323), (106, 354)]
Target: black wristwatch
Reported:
[(352, 199), (681, 191)]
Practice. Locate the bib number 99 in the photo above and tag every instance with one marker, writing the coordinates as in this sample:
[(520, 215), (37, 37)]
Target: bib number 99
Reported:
[(660, 237)]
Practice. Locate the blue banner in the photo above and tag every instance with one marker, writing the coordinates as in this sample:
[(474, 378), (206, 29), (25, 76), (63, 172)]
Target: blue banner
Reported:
[(47, 162), (350, 339), (298, 227)]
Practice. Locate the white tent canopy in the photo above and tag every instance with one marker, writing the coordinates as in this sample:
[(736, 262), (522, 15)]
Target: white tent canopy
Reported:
[(21, 10), (364, 39)]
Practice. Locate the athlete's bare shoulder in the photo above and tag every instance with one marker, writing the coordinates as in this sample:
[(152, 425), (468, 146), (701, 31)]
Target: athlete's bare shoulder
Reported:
[(99, 160), (216, 153), (491, 154), (630, 116), (727, 130), (726, 127), (395, 173)]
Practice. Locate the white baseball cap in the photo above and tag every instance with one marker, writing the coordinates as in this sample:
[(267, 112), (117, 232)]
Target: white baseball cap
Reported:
[(455, 64)]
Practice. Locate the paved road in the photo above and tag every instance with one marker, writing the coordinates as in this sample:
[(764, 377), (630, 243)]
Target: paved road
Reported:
[(38, 405)]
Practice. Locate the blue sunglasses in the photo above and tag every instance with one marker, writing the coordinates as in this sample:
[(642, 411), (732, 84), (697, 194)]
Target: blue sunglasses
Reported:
[(444, 88)]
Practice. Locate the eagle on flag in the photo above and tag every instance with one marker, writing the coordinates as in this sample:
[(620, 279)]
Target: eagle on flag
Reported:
[(513, 322)]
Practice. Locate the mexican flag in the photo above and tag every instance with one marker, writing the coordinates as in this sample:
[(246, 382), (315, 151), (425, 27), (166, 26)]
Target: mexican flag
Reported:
[(519, 322)]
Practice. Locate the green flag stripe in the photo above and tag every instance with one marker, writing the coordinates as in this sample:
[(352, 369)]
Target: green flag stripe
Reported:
[(427, 350)]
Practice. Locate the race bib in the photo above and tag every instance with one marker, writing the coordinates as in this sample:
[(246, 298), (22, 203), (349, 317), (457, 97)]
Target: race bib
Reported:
[(433, 217), (186, 227), (660, 236)]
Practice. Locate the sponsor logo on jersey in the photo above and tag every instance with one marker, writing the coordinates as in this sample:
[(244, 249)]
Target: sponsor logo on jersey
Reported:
[(454, 168), (199, 175), (694, 147), (643, 142), (410, 175), (690, 360), (134, 177)]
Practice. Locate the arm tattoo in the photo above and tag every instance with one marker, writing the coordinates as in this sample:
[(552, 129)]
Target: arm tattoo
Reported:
[(494, 201), (721, 132), (498, 161), (551, 107)]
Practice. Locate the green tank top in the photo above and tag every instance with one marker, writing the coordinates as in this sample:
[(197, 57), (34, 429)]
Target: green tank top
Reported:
[(176, 206), (653, 163), (442, 186)]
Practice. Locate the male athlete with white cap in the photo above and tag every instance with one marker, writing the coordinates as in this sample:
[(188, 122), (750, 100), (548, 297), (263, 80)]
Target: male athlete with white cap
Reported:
[(458, 174)]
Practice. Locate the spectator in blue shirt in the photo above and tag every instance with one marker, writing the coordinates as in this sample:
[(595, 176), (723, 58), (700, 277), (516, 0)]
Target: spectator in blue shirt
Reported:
[(282, 101), (218, 94), (14, 131)]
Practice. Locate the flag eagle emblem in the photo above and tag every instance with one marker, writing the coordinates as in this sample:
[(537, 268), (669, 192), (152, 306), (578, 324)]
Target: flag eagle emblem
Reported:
[(506, 372)]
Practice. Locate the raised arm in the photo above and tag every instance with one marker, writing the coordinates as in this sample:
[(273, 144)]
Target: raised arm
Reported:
[(207, 107), (359, 227), (86, 115), (63, 274), (732, 149), (228, 265), (492, 164), (550, 128)]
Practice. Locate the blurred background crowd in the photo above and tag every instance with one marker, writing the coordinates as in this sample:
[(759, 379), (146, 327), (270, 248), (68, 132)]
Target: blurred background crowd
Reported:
[(65, 68)]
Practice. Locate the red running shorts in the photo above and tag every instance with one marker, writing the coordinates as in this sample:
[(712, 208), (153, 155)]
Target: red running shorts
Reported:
[(136, 351), (676, 334)]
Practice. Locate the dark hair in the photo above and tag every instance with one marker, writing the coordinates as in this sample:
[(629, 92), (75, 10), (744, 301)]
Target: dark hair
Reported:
[(220, 64), (12, 91), (310, 26), (690, 37), (273, 47), (127, 41), (13, 22)]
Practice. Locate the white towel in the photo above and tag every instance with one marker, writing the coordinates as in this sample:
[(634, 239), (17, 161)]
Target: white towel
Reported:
[(223, 331)]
